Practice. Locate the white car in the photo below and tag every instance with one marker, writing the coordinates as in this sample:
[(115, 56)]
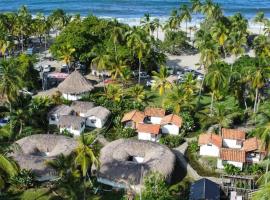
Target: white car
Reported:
[(144, 75), (200, 77), (4, 121), (26, 92), (150, 83)]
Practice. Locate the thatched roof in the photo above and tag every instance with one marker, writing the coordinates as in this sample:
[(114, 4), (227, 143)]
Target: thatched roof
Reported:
[(82, 106), (71, 120), (61, 110), (99, 112), (31, 152), (75, 83), (115, 165)]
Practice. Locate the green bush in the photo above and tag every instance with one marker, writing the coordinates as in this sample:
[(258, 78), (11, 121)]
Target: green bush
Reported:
[(171, 141), (23, 180), (188, 122), (193, 146), (126, 133), (232, 170)]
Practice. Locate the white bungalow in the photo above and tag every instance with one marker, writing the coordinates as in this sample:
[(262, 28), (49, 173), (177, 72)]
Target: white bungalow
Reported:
[(170, 124), (82, 107), (97, 117), (149, 132), (58, 111), (234, 157), (210, 144), (154, 115), (132, 118), (255, 150), (75, 86), (233, 138), (73, 124)]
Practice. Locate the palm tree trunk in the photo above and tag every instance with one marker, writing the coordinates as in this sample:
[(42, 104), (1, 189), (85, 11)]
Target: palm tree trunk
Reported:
[(84, 188), (266, 171), (22, 42), (139, 80), (186, 29), (157, 32), (255, 102), (21, 127), (200, 92), (258, 102), (212, 102)]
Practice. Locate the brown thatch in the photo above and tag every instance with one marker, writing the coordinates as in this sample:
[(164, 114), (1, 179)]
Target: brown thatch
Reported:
[(67, 121), (82, 106), (35, 150), (99, 112), (115, 164), (61, 110), (75, 83)]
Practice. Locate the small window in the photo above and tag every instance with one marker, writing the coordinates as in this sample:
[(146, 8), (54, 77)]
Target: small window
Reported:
[(53, 118), (209, 145), (238, 142), (82, 124)]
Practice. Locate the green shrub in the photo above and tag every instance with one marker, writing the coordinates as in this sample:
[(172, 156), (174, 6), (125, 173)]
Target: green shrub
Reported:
[(231, 169), (193, 146), (23, 180), (188, 122), (171, 141), (126, 133)]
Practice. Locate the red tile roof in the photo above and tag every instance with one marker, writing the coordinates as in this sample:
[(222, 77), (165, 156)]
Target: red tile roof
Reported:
[(210, 138), (253, 144), (234, 134), (154, 112), (134, 115), (148, 128), (233, 155), (173, 119)]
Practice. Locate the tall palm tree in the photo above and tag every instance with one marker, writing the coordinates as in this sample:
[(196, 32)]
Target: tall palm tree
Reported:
[(216, 81), (208, 8), (196, 6), (137, 93), (114, 93), (136, 41), (147, 24), (173, 22), (161, 80), (259, 18), (262, 46), (263, 132), (156, 25), (86, 156), (116, 36), (185, 15), (66, 54), (220, 34), (118, 68)]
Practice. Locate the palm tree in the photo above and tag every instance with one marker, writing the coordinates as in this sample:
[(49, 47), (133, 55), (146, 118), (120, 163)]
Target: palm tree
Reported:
[(136, 42), (259, 18), (116, 36), (263, 132), (156, 25), (19, 118), (173, 22), (266, 29), (262, 193), (86, 156), (114, 93), (161, 80), (10, 82), (147, 24), (190, 84), (178, 99), (185, 15), (262, 46), (118, 69), (8, 168), (208, 8), (66, 54), (220, 34), (137, 93), (196, 6), (216, 81)]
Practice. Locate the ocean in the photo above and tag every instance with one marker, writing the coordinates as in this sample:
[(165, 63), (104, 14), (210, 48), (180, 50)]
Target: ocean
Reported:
[(131, 11)]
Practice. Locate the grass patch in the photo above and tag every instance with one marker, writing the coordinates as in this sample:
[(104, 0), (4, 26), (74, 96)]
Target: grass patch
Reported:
[(201, 170)]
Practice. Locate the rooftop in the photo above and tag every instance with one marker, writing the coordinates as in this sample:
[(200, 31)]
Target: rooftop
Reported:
[(233, 155), (61, 110), (148, 128), (204, 189), (82, 106), (99, 112), (70, 120), (154, 112), (253, 144), (134, 115), (173, 119), (210, 138), (234, 134)]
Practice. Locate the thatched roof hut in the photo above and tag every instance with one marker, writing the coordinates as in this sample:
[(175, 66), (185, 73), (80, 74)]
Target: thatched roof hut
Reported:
[(35, 150), (100, 112), (82, 106), (118, 161), (61, 110), (73, 121), (75, 83)]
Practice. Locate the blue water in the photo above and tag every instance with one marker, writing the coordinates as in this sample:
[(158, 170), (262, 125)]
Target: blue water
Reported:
[(130, 9)]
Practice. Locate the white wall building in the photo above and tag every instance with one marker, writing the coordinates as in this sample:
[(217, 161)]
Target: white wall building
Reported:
[(170, 124), (231, 156), (233, 138), (97, 117), (58, 111), (150, 132), (255, 150), (154, 115), (210, 144), (73, 124)]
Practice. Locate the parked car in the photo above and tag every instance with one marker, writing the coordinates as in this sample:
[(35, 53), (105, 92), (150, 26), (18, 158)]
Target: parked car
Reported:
[(149, 83), (64, 69), (26, 92), (144, 75), (29, 51), (4, 121), (200, 77)]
